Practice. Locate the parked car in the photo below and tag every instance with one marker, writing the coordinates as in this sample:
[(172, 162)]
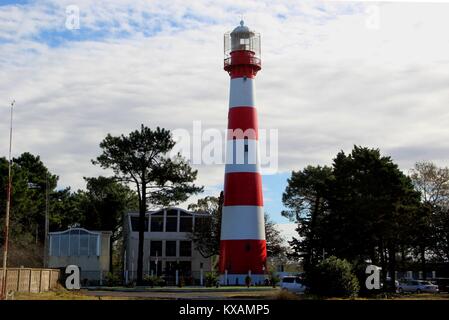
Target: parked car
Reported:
[(442, 283), (293, 284), (417, 286)]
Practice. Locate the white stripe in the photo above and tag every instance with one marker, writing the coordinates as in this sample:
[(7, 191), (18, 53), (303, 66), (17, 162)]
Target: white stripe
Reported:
[(242, 92), (242, 168), (242, 223), (237, 160)]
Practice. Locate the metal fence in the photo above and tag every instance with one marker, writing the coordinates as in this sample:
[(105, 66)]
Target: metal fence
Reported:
[(30, 279), (184, 278)]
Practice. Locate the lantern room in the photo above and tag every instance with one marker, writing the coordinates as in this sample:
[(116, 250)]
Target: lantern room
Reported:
[(242, 48)]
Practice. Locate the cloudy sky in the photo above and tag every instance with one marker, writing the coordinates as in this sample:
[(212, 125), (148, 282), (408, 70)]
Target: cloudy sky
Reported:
[(334, 74)]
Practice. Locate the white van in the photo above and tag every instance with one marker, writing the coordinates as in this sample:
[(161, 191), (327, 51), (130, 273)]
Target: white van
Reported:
[(293, 284)]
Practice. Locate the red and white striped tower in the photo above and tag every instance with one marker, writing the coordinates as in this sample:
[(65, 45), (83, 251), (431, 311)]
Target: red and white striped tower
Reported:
[(242, 246)]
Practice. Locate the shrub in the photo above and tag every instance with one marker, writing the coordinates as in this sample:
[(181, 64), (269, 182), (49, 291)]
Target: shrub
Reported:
[(333, 277), (274, 278), (154, 281), (248, 281), (181, 282), (211, 279), (112, 279)]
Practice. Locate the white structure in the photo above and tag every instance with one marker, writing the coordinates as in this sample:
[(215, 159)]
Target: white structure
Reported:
[(89, 250), (168, 249), (243, 249)]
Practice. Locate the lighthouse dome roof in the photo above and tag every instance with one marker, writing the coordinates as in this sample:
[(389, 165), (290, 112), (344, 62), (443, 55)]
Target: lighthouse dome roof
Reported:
[(241, 28)]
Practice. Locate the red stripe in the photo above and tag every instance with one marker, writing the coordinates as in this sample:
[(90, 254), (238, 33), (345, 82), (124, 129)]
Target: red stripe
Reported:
[(245, 119), (243, 189), (240, 256), (242, 63)]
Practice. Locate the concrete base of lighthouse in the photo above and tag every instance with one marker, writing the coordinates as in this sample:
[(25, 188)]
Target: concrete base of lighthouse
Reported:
[(239, 279)]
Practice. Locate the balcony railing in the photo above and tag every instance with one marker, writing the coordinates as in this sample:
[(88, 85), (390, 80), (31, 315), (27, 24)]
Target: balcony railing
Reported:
[(249, 61)]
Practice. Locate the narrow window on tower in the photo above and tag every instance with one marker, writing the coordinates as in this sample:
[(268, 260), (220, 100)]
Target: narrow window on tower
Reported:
[(234, 150), (248, 247), (246, 149)]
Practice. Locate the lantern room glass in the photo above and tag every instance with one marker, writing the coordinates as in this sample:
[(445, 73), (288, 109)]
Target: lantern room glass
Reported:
[(242, 38)]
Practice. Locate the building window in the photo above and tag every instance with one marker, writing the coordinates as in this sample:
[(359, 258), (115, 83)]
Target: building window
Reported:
[(185, 248), (185, 267), (156, 248), (156, 267), (170, 248), (157, 224), (185, 224), (170, 268), (171, 224), (54, 243), (84, 244), (74, 242), (135, 224), (93, 245), (64, 245)]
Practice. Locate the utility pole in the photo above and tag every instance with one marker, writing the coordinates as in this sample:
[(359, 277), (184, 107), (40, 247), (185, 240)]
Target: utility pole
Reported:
[(8, 207), (46, 221)]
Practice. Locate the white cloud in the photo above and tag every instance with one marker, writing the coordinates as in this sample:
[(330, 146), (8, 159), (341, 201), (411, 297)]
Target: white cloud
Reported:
[(328, 81), (287, 230)]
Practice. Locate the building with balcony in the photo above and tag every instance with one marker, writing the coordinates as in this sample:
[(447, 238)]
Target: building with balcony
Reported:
[(168, 249)]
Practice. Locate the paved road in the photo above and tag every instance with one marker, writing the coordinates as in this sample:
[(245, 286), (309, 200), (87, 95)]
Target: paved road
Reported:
[(186, 295)]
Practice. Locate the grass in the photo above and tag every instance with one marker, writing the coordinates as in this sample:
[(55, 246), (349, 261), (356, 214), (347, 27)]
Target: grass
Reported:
[(64, 295), (286, 295), (153, 294), (421, 296), (187, 288)]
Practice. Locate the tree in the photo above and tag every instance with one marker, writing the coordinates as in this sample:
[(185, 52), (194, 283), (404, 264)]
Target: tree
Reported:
[(440, 243), (433, 227), (432, 182), (362, 209), (305, 198), (206, 234), (142, 158), (275, 241), (373, 206), (103, 205), (65, 209), (30, 183)]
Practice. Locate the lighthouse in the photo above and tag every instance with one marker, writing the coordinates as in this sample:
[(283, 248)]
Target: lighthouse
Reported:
[(242, 243)]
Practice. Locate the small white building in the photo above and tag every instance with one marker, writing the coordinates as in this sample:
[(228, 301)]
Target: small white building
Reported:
[(168, 249), (89, 250)]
